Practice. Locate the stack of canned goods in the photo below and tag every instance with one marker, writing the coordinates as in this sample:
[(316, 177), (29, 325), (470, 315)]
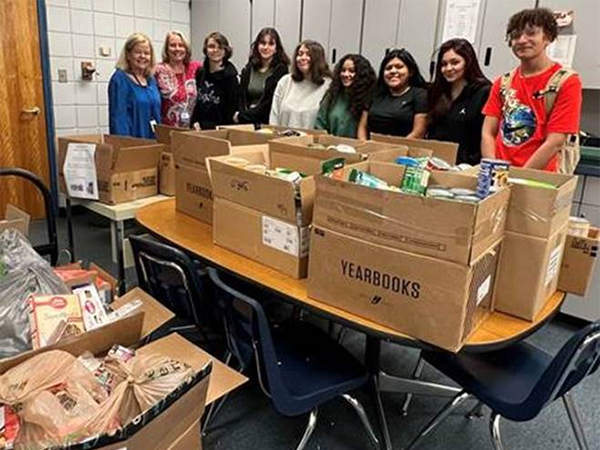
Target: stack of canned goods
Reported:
[(456, 194), (493, 174)]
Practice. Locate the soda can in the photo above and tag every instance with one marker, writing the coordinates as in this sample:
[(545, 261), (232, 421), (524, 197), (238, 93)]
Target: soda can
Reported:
[(493, 174)]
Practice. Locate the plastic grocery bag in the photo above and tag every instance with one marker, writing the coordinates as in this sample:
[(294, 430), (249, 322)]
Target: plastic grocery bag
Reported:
[(16, 252)]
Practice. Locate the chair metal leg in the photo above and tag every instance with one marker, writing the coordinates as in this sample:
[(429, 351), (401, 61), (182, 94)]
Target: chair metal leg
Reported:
[(575, 421), (216, 406), (363, 417), (416, 375), (312, 423), (385, 432), (495, 431), (445, 412), (476, 412)]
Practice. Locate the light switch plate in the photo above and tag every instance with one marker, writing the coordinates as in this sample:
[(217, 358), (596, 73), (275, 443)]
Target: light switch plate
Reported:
[(104, 50), (62, 76)]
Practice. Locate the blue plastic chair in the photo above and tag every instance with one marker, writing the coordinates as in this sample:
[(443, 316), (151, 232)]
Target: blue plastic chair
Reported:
[(519, 381), (298, 365)]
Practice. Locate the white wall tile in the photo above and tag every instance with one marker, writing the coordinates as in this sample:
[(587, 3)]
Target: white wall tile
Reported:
[(58, 2), (85, 93), (102, 93), (104, 5), (83, 22), (124, 26), (144, 8), (60, 44), (145, 26), (160, 31), (101, 41), (59, 19), (65, 132), (63, 93), (83, 46), (184, 28), (87, 116), (89, 130), (105, 69), (162, 9), (104, 24), (180, 12), (82, 4), (124, 7), (59, 63), (103, 116), (64, 117), (104, 130)]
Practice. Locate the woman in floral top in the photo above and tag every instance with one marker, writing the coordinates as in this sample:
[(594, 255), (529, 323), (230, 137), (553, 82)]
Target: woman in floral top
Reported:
[(175, 79)]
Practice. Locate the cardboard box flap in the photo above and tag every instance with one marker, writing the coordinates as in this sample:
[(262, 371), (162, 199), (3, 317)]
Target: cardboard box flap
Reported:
[(223, 378), (163, 133), (155, 314), (490, 221), (578, 263), (132, 158), (240, 137), (444, 150), (126, 141), (279, 149)]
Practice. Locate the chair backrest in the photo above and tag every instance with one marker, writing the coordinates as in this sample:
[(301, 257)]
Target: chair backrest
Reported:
[(578, 358), (248, 329), (169, 275)]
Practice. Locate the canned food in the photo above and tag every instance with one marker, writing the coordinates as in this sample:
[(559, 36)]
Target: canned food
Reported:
[(463, 191), (467, 198), (493, 174), (578, 226), (434, 163), (440, 193)]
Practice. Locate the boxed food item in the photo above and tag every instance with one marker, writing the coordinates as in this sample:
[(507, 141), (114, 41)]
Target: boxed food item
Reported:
[(444, 150), (528, 272), (436, 301), (540, 202), (15, 218), (126, 168), (579, 262), (450, 230), (54, 317)]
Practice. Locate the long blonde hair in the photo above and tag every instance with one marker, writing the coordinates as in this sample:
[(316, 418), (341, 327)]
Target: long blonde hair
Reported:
[(132, 41), (186, 44)]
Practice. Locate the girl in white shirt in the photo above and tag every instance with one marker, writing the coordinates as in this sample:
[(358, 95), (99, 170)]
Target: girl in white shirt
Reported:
[(298, 95)]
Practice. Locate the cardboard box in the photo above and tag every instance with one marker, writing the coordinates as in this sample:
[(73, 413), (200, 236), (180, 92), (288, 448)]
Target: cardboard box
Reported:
[(578, 263), (194, 195), (166, 174), (449, 230), (163, 134), (436, 301), (528, 272), (190, 440), (15, 218), (444, 150), (262, 238), (300, 145), (126, 167), (537, 211), (276, 128)]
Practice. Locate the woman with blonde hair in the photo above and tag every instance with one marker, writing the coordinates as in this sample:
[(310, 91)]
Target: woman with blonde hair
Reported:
[(133, 97), (176, 82)]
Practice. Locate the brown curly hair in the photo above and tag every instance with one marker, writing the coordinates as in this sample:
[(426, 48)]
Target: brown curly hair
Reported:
[(536, 17)]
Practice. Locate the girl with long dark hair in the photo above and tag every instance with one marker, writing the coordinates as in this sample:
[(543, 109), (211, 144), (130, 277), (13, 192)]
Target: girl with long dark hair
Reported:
[(343, 110), (400, 106), (267, 64), (456, 98)]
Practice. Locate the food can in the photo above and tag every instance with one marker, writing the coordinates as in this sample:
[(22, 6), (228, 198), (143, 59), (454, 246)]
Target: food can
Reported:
[(462, 191), (467, 198), (578, 226), (493, 174), (434, 163), (439, 193)]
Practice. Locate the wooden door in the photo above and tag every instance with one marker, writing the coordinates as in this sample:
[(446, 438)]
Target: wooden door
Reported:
[(22, 113)]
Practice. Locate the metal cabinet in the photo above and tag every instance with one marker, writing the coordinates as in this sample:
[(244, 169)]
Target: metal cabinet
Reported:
[(345, 29), (316, 18), (380, 29), (287, 22)]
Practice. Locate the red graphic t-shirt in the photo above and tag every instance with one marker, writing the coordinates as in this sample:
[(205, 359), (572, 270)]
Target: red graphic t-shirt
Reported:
[(178, 93), (523, 123)]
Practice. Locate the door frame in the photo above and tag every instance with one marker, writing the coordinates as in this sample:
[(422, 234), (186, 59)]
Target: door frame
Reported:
[(48, 101)]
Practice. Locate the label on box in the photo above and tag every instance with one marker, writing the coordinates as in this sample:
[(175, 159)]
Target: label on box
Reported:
[(92, 307), (484, 289), (80, 171), (283, 236), (553, 264)]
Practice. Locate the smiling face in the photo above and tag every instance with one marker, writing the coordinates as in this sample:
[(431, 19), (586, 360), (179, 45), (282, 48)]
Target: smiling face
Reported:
[(140, 57), (214, 51), (267, 47), (396, 75), (453, 66), (529, 43), (348, 73), (176, 49), (303, 60)]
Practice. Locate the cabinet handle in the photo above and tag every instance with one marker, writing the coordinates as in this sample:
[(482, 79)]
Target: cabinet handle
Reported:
[(387, 51), (333, 55), (488, 56), (431, 69)]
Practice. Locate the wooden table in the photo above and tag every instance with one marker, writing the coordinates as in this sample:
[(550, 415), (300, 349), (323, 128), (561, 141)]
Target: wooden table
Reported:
[(496, 331), (162, 220)]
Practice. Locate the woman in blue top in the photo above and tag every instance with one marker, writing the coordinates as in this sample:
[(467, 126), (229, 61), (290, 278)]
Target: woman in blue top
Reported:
[(133, 96)]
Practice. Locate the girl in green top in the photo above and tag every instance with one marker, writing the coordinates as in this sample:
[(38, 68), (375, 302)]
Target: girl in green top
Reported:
[(343, 110)]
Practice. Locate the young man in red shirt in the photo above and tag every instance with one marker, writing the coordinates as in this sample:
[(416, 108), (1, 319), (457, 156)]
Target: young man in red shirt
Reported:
[(516, 127)]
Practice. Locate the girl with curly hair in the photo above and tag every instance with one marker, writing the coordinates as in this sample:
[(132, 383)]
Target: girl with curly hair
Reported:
[(344, 107)]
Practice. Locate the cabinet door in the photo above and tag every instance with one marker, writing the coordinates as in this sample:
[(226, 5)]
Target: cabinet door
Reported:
[(204, 19), (346, 20), (586, 60), (380, 29), (263, 15), (287, 23), (234, 22), (316, 18), (495, 56), (417, 30)]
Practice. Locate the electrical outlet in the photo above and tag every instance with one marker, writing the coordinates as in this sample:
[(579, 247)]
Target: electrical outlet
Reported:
[(62, 75)]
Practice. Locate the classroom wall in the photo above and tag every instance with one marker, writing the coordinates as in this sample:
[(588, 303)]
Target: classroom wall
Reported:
[(76, 31)]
